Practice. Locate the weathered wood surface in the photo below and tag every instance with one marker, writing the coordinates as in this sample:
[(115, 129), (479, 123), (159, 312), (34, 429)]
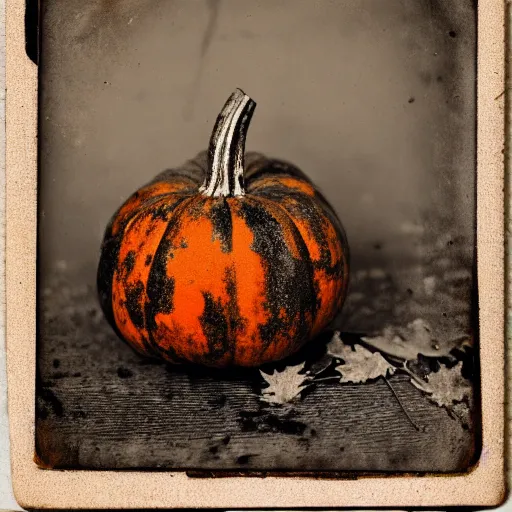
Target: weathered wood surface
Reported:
[(101, 406)]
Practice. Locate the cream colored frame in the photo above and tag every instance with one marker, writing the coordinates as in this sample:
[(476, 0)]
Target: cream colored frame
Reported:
[(39, 488)]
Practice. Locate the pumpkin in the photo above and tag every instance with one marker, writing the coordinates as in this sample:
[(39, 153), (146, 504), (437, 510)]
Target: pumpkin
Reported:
[(231, 259)]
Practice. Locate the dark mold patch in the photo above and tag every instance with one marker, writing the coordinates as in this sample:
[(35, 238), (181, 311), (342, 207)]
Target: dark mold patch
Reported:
[(222, 224), (289, 282), (124, 373), (129, 263), (215, 327), (134, 305), (235, 319)]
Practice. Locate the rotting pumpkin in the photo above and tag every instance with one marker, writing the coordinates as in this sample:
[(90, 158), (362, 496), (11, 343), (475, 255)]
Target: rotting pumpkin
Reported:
[(232, 259)]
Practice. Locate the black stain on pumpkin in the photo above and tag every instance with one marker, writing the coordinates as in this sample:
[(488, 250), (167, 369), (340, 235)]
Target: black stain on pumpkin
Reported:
[(104, 279), (160, 286), (307, 210), (236, 322), (215, 328), (289, 283), (149, 258), (134, 304), (220, 216), (129, 263)]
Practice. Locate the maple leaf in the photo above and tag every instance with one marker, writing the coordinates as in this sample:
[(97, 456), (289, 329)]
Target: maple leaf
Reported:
[(360, 364), (284, 386), (447, 386), (408, 342)]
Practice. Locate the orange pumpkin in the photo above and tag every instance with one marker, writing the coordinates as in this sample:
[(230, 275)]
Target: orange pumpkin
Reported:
[(232, 259)]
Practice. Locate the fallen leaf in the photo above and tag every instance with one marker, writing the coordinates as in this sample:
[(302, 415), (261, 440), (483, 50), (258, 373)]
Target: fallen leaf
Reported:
[(284, 386), (463, 412), (446, 386), (336, 347), (408, 342), (359, 364)]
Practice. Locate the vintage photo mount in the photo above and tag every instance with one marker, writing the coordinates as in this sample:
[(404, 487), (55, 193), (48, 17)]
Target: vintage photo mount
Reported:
[(483, 485)]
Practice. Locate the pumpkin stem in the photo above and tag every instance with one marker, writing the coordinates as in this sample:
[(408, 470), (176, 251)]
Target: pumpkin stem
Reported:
[(225, 175)]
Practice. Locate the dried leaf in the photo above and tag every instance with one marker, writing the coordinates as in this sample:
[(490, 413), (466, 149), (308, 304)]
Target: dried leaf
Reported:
[(407, 343), (336, 347), (360, 364), (446, 386), (463, 412), (284, 386)]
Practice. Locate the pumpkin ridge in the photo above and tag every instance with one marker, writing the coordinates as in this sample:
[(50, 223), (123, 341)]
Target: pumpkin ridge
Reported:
[(289, 280), (305, 256), (215, 325), (110, 248), (305, 210), (236, 322), (142, 199), (157, 278), (132, 290), (329, 278)]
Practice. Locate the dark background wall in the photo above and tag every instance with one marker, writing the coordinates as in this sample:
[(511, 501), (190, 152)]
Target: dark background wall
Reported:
[(373, 99)]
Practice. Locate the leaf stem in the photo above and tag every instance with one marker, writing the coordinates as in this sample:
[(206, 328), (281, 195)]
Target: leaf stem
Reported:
[(401, 405), (325, 379)]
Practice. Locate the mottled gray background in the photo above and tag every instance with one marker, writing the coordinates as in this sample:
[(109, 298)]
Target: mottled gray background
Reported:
[(373, 99)]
